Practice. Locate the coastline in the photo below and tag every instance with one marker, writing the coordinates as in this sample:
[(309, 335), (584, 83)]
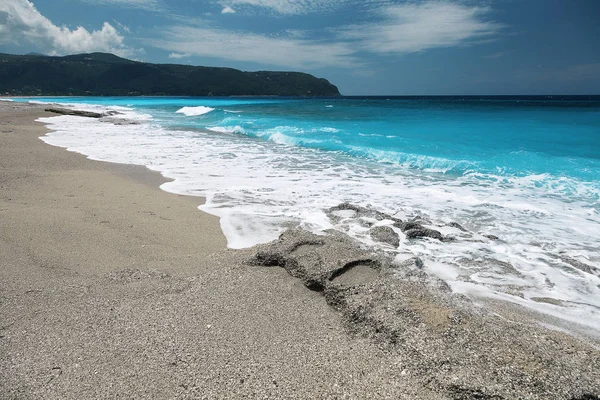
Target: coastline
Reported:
[(113, 286)]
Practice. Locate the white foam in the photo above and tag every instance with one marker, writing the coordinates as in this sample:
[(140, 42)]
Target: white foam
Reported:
[(258, 188), (286, 135), (407, 160), (344, 213), (7, 100), (226, 129), (194, 111), (370, 134)]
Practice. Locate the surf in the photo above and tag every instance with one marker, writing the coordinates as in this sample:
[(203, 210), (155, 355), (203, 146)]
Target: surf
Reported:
[(277, 164)]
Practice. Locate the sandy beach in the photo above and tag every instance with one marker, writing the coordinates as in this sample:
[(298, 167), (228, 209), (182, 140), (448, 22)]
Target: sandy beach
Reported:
[(112, 288)]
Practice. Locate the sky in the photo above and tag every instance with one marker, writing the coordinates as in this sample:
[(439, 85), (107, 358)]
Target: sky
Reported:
[(365, 47)]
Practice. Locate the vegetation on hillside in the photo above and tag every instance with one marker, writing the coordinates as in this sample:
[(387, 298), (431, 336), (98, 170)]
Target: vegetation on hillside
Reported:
[(102, 74)]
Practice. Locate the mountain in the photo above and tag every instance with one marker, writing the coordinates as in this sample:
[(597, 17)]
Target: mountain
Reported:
[(103, 74)]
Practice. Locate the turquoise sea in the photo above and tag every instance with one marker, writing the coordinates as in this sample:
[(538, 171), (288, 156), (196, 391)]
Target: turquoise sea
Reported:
[(525, 169)]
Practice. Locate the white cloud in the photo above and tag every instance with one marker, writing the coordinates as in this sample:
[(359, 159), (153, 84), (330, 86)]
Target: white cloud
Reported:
[(395, 29), (291, 7), (121, 26), (152, 5), (21, 21), (415, 27), (179, 55), (227, 10), (250, 47)]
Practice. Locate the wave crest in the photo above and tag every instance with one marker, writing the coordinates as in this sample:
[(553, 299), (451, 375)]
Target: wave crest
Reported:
[(194, 111), (226, 129)]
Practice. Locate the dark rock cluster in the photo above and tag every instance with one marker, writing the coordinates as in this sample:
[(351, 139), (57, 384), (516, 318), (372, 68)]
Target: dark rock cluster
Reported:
[(359, 212), (385, 234), (80, 113), (413, 229)]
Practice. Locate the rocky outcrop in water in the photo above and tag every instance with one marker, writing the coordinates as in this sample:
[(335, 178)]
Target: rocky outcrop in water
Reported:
[(423, 232), (441, 339), (79, 113), (414, 230), (348, 210), (385, 234), (491, 237), (457, 226)]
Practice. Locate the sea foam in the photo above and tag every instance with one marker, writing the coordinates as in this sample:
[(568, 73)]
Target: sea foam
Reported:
[(226, 129), (194, 111)]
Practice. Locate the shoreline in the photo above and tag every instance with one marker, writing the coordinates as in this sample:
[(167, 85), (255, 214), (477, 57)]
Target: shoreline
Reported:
[(129, 178), (501, 302), (458, 274), (95, 309), (191, 318)]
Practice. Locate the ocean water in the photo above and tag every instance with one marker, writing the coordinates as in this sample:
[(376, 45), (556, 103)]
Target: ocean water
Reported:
[(526, 170)]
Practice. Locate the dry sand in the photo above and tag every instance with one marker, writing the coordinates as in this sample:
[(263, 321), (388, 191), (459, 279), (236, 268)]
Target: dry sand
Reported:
[(112, 288)]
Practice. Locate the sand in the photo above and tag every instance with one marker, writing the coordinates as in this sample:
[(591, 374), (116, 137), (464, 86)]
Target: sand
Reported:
[(112, 288)]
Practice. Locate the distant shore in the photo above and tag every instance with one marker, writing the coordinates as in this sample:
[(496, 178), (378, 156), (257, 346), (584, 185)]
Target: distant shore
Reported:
[(111, 287)]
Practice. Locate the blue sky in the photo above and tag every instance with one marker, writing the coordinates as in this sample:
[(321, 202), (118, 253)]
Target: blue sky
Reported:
[(364, 47)]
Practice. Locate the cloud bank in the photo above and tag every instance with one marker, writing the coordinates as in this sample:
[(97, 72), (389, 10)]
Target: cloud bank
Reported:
[(21, 21), (394, 29), (290, 7), (227, 10), (389, 29), (414, 27), (178, 56), (283, 51), (151, 5)]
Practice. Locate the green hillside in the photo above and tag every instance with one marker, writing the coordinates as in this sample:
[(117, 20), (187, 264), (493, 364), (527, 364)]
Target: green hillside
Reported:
[(102, 74)]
